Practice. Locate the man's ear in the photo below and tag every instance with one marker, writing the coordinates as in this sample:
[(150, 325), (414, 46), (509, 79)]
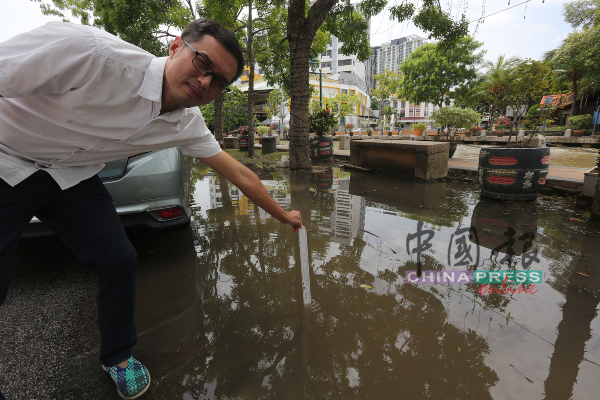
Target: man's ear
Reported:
[(175, 47)]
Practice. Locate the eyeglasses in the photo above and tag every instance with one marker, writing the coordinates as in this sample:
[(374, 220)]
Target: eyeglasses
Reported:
[(200, 62)]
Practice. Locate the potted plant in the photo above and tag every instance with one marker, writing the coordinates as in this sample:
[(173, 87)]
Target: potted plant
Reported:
[(265, 138), (419, 128), (261, 131), (320, 122), (242, 133), (348, 128), (501, 125), (453, 118), (369, 131), (518, 170), (578, 123), (386, 127)]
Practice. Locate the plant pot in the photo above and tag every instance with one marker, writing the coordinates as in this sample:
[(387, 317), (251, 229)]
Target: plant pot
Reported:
[(259, 140), (321, 149), (389, 133), (453, 147), (418, 132), (369, 133), (468, 134), (350, 133), (577, 133), (243, 143), (513, 173), (499, 133), (269, 145)]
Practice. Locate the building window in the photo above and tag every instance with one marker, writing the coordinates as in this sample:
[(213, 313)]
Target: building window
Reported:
[(328, 53), (342, 63), (340, 51)]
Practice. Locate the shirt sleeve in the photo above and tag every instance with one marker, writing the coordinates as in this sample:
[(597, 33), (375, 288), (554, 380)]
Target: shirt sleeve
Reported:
[(52, 59), (204, 145)]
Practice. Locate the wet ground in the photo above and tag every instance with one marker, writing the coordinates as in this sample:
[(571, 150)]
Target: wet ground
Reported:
[(220, 311)]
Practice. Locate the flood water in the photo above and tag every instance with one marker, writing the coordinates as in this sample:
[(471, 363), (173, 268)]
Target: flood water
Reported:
[(369, 334)]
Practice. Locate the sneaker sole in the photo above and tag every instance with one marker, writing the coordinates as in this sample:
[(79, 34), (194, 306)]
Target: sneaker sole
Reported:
[(139, 394)]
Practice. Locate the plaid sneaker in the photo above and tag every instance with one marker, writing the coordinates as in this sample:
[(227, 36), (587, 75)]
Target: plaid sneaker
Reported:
[(132, 381)]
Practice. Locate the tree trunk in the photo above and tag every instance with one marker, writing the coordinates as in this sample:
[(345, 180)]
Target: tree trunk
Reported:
[(300, 92), (574, 107), (301, 32), (219, 119), (250, 61)]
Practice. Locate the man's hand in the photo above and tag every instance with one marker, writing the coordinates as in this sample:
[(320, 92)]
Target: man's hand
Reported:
[(252, 187), (295, 220)]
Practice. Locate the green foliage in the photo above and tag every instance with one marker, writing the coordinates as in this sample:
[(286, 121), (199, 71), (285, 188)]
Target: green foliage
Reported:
[(387, 85), (344, 104), (455, 118), (580, 121), (274, 103), (582, 13), (430, 18), (374, 102), (273, 52), (262, 129), (208, 112), (321, 121), (419, 127), (235, 112), (433, 70)]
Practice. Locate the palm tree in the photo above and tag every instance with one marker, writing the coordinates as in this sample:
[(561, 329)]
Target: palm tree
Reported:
[(493, 81), (566, 71)]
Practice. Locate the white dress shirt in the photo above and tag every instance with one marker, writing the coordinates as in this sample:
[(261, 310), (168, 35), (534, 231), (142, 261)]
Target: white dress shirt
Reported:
[(76, 97)]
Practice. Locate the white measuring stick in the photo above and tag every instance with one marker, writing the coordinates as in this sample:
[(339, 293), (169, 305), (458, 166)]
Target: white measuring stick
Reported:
[(304, 267)]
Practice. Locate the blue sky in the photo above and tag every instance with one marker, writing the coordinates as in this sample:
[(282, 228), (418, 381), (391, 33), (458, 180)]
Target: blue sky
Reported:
[(504, 33)]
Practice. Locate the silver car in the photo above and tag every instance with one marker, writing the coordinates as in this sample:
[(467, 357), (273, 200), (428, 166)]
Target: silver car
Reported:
[(150, 190)]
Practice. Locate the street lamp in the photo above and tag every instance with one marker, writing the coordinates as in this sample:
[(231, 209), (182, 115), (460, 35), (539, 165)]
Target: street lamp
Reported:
[(314, 64)]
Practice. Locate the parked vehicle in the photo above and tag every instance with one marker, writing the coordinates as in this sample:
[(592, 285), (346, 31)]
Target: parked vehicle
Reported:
[(150, 190)]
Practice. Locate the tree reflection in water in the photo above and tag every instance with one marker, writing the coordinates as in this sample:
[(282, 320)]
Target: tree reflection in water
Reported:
[(361, 343)]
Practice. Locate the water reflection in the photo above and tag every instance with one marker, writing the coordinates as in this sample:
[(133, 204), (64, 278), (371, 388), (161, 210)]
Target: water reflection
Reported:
[(386, 337), (505, 228), (579, 310)]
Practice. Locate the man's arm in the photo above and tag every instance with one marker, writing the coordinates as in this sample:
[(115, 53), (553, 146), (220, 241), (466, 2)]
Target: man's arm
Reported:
[(252, 187)]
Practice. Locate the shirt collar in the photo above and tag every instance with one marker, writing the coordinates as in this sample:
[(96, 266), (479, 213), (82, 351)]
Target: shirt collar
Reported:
[(153, 79), (152, 89)]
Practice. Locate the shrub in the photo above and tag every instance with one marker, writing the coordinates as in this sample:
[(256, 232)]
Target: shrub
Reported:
[(419, 127), (580, 121), (455, 118), (321, 121), (262, 129)]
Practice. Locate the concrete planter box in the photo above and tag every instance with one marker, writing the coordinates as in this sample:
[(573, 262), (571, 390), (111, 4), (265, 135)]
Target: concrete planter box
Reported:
[(590, 179), (422, 160)]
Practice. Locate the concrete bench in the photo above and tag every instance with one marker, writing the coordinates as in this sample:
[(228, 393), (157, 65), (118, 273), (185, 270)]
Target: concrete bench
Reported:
[(231, 142), (421, 160)]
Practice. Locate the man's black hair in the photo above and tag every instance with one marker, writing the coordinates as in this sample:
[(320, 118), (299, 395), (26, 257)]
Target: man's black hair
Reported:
[(195, 30)]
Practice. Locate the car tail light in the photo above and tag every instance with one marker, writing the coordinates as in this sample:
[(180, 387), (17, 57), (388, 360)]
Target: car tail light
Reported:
[(169, 213)]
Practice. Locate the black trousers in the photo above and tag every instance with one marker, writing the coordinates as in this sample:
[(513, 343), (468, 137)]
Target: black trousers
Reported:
[(84, 218)]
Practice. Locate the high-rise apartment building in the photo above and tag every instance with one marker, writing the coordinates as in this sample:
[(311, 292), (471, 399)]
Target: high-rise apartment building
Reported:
[(390, 55)]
